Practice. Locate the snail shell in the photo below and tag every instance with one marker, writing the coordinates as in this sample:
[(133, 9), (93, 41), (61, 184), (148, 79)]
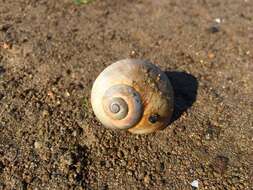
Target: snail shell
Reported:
[(134, 95)]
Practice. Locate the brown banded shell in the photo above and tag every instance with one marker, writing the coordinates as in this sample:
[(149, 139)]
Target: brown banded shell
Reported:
[(134, 95)]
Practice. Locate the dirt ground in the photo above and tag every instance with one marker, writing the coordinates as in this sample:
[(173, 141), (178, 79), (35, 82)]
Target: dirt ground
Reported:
[(52, 51)]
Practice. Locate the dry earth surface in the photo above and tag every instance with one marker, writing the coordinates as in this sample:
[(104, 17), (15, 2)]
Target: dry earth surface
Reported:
[(52, 51)]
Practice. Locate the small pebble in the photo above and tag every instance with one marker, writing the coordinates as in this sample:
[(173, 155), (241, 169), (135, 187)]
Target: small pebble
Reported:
[(130, 173), (67, 94), (195, 184), (146, 179), (5, 46), (211, 55), (74, 133), (37, 145), (217, 20), (214, 29), (50, 94), (45, 113), (133, 53), (207, 136)]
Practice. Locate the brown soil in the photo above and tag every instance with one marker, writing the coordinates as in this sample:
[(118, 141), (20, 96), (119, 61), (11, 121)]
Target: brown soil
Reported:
[(51, 52)]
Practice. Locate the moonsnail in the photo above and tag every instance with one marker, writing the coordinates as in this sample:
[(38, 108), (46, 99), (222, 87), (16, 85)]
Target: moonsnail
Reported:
[(133, 95)]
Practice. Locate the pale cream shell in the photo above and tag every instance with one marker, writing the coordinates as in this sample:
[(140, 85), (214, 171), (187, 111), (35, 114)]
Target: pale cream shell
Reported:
[(149, 81)]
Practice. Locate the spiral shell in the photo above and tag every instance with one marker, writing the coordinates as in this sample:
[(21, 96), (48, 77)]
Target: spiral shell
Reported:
[(134, 95)]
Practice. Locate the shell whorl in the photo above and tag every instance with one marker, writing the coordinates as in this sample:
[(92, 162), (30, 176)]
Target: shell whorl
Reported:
[(123, 105)]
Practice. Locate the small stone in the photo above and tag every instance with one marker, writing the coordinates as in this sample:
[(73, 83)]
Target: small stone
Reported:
[(67, 94), (211, 55), (58, 102), (5, 46), (146, 179), (214, 29), (133, 53), (195, 184), (207, 136), (37, 145), (45, 113), (130, 173), (50, 94), (217, 20), (74, 133)]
